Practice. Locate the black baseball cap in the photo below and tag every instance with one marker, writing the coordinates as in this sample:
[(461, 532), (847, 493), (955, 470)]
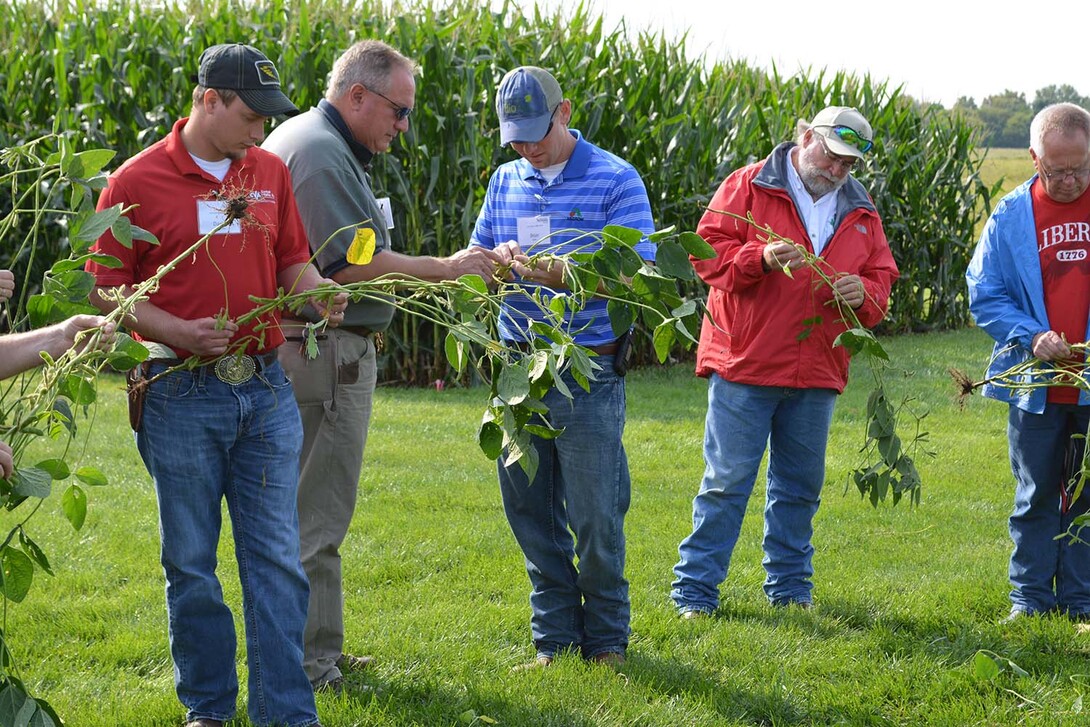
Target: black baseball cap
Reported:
[(249, 73)]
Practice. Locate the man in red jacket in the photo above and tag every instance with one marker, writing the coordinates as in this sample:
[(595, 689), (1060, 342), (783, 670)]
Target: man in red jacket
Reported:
[(767, 350)]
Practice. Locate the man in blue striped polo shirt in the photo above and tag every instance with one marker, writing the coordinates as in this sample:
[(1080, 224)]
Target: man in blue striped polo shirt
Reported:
[(560, 189)]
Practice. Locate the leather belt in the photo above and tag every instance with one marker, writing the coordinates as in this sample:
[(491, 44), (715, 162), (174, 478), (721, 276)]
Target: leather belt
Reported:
[(605, 349), (233, 369)]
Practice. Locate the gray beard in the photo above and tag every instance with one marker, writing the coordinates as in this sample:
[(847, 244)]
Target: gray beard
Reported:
[(819, 186)]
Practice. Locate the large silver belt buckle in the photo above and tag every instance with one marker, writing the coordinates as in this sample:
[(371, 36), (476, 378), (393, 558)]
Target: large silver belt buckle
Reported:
[(235, 370)]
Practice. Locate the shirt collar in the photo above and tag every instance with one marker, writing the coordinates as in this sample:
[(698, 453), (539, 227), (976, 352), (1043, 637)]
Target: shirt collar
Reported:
[(363, 154), (178, 154)]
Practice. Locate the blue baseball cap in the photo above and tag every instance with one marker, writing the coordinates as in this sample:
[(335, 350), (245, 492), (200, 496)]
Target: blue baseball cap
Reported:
[(525, 102)]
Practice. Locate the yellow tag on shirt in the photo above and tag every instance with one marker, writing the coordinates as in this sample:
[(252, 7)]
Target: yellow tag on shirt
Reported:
[(363, 246)]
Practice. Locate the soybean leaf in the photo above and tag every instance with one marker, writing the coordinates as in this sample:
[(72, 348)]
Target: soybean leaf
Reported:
[(860, 340), (57, 468), (72, 286), (681, 325), (98, 223), (490, 439), (126, 353), (607, 263), (77, 263), (36, 554), (514, 384), (90, 162), (695, 245), (12, 700), (558, 382), (685, 309), (455, 351), (79, 390), (626, 235), (122, 231), (661, 234), (672, 260), (45, 716), (539, 430), (522, 450), (31, 482), (40, 310), (5, 657), (139, 233), (890, 449), (985, 667), (663, 339), (631, 262), (18, 571), (621, 316), (476, 282), (91, 476), (539, 365), (74, 504)]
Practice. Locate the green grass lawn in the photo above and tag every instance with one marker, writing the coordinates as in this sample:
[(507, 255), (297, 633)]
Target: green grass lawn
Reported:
[(436, 590)]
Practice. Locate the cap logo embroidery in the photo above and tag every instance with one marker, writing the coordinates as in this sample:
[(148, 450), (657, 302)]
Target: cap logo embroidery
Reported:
[(266, 73)]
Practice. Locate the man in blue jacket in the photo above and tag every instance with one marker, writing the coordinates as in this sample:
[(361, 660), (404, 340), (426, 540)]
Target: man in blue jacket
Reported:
[(1029, 288)]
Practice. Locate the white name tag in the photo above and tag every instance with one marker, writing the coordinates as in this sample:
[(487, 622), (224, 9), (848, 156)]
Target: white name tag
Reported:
[(387, 212), (530, 231), (211, 214)]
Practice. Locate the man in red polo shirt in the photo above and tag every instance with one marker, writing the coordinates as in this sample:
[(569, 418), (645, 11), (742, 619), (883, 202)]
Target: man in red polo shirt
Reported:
[(229, 431)]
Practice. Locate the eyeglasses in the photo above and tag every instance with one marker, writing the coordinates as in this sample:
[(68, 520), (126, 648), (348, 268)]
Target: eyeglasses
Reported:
[(401, 112), (850, 136), (846, 162), (1061, 175)]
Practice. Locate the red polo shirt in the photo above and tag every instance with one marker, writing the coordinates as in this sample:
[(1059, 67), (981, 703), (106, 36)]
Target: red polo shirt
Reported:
[(176, 200)]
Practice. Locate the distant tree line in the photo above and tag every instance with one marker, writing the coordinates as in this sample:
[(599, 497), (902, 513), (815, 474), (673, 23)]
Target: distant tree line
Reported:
[(1003, 120)]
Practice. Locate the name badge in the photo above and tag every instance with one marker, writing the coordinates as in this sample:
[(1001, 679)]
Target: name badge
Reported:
[(530, 232), (387, 212), (211, 214)]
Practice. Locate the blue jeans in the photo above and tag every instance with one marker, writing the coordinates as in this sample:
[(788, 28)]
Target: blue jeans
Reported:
[(742, 420), (1046, 573), (582, 487), (204, 441)]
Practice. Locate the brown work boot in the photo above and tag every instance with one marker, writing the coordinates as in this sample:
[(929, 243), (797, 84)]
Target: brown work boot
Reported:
[(204, 722), (614, 659)]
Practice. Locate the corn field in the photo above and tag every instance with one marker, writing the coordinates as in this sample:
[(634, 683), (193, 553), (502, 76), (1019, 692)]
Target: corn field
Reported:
[(116, 74)]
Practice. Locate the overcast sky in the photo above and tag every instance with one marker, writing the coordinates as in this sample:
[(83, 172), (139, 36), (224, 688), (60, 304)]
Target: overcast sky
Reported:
[(940, 50)]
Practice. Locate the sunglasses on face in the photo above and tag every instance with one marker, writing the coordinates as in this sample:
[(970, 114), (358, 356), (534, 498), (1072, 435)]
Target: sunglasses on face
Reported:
[(851, 137), (401, 112)]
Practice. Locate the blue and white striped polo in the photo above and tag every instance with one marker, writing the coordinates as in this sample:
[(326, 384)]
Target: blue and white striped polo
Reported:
[(595, 189)]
